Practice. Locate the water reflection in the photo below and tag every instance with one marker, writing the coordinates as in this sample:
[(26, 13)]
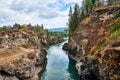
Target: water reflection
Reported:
[(72, 70)]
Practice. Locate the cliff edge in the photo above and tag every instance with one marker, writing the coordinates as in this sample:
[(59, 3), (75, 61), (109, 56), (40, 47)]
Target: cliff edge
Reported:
[(21, 56), (95, 46)]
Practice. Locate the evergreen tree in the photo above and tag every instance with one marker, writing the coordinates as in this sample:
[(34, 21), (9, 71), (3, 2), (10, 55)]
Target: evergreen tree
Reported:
[(88, 5), (70, 17), (70, 13), (42, 26), (98, 3), (74, 18)]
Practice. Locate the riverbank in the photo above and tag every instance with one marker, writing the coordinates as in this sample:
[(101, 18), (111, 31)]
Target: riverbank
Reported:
[(95, 45), (23, 51)]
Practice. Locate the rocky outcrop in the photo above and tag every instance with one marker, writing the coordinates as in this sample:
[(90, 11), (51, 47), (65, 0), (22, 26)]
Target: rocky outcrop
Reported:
[(54, 40), (105, 13), (95, 47), (21, 64), (87, 67), (21, 56), (110, 62)]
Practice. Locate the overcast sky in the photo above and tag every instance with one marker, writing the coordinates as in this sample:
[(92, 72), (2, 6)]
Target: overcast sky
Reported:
[(51, 13)]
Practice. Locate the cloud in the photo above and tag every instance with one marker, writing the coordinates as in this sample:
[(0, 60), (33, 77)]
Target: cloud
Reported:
[(48, 13), (51, 13)]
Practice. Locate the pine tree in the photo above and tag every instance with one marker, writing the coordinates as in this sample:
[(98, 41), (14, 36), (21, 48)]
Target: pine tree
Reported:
[(70, 18), (70, 13), (74, 18)]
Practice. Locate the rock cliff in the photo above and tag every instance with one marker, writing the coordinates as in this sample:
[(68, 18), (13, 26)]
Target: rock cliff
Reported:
[(21, 56), (96, 45)]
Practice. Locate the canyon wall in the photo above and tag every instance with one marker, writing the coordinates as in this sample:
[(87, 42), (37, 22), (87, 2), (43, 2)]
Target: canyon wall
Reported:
[(21, 56), (96, 45)]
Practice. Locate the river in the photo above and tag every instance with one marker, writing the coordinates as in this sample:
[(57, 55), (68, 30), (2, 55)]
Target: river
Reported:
[(59, 66)]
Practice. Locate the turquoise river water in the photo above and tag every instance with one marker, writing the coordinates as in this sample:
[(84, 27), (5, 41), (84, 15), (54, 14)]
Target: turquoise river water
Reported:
[(59, 66)]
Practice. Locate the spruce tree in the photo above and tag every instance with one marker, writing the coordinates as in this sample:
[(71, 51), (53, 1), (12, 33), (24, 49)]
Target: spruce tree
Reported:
[(70, 18), (74, 18)]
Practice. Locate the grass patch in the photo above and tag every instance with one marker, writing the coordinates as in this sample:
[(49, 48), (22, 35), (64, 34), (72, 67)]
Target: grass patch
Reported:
[(115, 26), (115, 35), (115, 30), (102, 46)]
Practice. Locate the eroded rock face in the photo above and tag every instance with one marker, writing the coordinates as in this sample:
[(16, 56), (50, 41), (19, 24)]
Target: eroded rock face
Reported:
[(110, 62), (87, 67), (54, 40), (7, 77), (89, 70), (105, 13), (23, 66), (96, 58), (21, 57), (65, 47)]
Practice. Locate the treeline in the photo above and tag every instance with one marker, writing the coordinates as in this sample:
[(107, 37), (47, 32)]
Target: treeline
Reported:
[(76, 14), (59, 34), (38, 30)]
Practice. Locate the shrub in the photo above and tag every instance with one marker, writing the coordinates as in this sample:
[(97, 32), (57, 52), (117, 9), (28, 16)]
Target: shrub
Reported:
[(25, 46)]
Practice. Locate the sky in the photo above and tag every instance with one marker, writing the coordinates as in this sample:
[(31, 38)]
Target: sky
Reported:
[(50, 13)]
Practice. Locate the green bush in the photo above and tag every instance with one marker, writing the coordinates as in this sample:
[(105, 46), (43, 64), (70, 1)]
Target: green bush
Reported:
[(25, 46), (115, 26)]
